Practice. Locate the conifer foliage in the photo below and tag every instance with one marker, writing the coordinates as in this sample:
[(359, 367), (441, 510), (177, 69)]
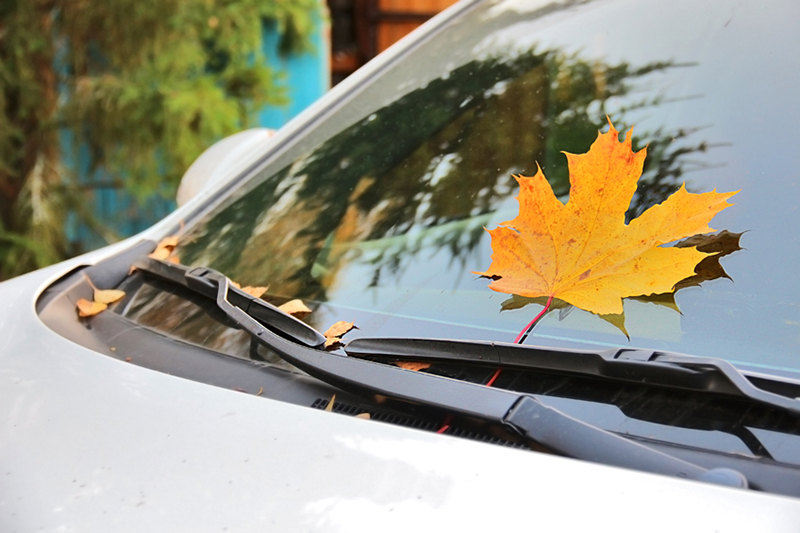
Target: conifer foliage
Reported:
[(142, 85)]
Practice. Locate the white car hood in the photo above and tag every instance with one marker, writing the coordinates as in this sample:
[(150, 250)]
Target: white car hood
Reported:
[(90, 443)]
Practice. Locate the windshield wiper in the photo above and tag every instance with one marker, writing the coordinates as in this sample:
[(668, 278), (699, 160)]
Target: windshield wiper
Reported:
[(198, 281), (523, 414), (651, 367)]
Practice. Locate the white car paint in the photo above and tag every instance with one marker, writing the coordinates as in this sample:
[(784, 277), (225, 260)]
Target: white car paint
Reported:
[(89, 443)]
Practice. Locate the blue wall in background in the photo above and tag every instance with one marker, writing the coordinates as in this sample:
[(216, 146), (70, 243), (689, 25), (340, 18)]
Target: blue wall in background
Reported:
[(306, 77)]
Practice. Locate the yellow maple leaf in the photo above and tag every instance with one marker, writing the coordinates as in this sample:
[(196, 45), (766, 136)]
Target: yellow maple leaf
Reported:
[(582, 252)]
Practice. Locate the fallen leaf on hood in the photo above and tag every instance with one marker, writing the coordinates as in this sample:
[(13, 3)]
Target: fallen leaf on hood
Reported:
[(583, 252), (160, 254), (108, 296), (165, 247), (413, 365), (363, 416), (87, 308), (102, 297), (334, 334), (329, 407), (169, 242), (295, 308)]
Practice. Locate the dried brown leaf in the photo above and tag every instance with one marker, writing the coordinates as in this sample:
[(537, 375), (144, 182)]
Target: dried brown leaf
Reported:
[(87, 308), (333, 343), (255, 291), (329, 407), (169, 242), (164, 248), (108, 296), (296, 308), (413, 365), (339, 329), (160, 254), (333, 336)]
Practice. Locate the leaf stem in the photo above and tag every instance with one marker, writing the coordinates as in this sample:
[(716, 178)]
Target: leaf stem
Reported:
[(494, 377), (524, 333)]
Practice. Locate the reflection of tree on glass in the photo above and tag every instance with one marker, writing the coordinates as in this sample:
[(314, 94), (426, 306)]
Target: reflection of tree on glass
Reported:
[(424, 173)]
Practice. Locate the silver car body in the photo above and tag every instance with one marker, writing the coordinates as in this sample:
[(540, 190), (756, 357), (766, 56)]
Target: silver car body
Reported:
[(90, 443)]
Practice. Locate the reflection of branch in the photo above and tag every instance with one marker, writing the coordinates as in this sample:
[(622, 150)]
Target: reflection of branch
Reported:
[(430, 170)]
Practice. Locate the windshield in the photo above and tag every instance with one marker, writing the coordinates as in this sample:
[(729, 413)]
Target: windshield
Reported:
[(378, 214)]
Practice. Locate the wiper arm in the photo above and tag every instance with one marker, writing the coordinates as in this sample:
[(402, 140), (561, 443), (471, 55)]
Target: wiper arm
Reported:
[(651, 367), (200, 281), (523, 414)]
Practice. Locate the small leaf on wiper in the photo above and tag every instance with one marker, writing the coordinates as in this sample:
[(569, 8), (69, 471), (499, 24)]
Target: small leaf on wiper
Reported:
[(296, 308), (334, 334)]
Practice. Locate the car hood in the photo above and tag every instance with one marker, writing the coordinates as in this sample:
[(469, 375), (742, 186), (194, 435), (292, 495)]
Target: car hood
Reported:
[(91, 443)]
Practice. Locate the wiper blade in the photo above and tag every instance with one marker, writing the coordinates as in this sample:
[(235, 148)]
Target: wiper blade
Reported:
[(199, 280), (651, 367), (523, 414)]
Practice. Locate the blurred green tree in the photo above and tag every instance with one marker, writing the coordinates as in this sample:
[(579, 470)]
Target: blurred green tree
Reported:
[(143, 85)]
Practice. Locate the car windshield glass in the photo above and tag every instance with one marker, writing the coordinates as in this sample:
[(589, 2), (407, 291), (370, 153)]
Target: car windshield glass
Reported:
[(377, 214)]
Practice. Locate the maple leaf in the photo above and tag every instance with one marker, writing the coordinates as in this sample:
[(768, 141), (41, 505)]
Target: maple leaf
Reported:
[(582, 252), (717, 245)]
